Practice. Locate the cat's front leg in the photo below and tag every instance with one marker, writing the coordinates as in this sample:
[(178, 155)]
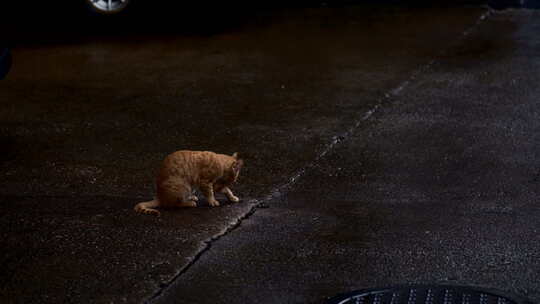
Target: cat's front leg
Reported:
[(208, 191), (228, 193)]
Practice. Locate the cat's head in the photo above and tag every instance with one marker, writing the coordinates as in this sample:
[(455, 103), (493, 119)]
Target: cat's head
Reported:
[(236, 166)]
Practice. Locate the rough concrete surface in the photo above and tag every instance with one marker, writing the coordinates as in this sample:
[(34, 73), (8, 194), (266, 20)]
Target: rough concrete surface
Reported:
[(437, 185)]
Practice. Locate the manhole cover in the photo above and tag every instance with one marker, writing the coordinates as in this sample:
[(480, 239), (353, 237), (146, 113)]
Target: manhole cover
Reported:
[(423, 294)]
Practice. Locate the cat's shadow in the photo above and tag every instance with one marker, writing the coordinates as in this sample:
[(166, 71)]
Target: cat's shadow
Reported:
[(203, 202)]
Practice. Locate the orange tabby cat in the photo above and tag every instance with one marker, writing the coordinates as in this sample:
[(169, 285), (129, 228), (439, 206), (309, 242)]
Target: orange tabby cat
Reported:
[(183, 171)]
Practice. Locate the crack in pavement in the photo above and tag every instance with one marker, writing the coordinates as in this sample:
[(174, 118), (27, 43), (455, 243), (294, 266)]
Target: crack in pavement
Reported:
[(281, 190)]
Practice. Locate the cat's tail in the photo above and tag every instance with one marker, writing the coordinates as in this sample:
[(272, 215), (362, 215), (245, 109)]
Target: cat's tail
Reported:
[(147, 207)]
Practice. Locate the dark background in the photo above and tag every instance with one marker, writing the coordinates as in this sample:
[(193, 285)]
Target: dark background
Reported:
[(44, 22)]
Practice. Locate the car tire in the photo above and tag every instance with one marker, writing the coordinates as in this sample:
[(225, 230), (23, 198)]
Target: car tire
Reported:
[(5, 62)]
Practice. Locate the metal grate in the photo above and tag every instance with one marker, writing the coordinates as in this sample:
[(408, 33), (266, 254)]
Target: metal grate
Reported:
[(424, 294)]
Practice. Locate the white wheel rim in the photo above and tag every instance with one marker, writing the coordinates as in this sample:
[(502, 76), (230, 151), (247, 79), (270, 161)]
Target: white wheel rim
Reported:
[(109, 6)]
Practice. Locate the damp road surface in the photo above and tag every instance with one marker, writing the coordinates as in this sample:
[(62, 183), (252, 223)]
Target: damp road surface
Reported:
[(382, 144)]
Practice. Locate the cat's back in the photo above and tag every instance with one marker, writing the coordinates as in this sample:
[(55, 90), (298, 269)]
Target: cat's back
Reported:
[(185, 163), (186, 156)]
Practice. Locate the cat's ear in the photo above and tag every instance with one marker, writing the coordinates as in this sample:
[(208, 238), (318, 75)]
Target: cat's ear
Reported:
[(235, 155), (237, 165)]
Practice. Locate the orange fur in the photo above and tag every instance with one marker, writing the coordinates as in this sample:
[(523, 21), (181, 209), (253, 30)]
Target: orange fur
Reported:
[(184, 171)]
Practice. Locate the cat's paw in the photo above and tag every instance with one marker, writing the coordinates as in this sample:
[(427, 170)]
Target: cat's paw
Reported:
[(213, 203), (193, 198), (234, 199)]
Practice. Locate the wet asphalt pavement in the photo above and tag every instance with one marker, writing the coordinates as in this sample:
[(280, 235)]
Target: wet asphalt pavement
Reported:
[(391, 145)]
